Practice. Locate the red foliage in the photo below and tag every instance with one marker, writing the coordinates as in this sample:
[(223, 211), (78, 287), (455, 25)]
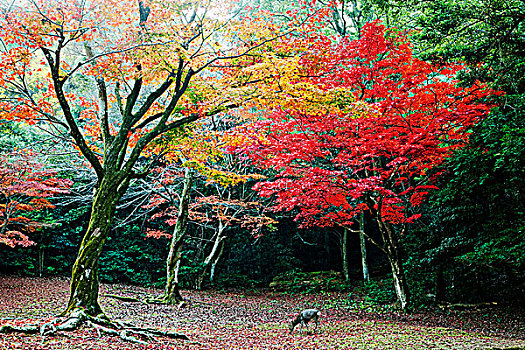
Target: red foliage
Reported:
[(25, 187), (215, 211), (403, 117)]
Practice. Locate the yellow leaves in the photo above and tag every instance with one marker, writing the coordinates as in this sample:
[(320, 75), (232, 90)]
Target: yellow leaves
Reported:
[(244, 61), (278, 82), (223, 178)]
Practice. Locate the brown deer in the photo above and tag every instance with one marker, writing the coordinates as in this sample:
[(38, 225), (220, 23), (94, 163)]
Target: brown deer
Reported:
[(304, 317)]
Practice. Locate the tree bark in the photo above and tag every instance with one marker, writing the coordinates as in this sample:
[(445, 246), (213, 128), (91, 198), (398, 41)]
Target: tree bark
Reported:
[(215, 262), (84, 280), (400, 283), (171, 292), (41, 254), (214, 255), (393, 252), (440, 283), (362, 243), (346, 272)]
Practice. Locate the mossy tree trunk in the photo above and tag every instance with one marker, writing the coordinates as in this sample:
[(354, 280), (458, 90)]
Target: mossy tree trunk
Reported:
[(84, 278), (171, 292)]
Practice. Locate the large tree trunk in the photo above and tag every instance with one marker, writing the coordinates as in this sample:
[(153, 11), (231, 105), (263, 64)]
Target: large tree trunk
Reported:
[(171, 292), (84, 280)]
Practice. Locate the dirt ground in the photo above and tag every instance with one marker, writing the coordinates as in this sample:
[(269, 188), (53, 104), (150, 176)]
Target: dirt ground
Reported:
[(256, 320)]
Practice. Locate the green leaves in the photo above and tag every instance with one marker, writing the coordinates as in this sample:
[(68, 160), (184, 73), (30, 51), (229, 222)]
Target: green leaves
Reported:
[(488, 35)]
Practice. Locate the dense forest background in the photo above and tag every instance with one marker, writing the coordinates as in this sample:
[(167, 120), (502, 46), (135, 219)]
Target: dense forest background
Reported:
[(468, 245)]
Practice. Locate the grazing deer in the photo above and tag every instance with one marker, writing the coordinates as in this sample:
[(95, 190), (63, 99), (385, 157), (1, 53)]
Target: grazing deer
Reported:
[(304, 317)]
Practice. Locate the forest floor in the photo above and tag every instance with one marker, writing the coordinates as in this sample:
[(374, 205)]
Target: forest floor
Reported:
[(256, 320)]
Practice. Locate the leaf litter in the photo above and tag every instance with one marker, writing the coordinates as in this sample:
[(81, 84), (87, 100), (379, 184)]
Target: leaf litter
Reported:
[(257, 320)]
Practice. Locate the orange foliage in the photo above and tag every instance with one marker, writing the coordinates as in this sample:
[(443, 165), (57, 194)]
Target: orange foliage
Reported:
[(212, 56)]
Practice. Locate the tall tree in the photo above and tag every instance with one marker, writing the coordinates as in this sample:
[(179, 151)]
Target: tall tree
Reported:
[(112, 77), (394, 118)]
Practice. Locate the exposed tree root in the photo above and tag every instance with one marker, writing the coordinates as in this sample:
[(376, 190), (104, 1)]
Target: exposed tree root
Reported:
[(461, 306), (167, 301), (28, 329), (178, 302), (161, 300), (100, 323), (124, 298)]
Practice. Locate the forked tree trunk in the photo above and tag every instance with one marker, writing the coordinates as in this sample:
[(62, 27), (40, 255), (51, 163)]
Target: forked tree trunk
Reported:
[(84, 279), (214, 256), (171, 292), (393, 252)]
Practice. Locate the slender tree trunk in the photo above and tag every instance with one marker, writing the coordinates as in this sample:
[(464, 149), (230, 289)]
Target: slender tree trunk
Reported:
[(327, 247), (84, 280), (362, 243), (41, 254), (346, 272), (171, 292), (214, 255), (440, 283), (393, 252), (215, 262), (364, 262), (400, 283)]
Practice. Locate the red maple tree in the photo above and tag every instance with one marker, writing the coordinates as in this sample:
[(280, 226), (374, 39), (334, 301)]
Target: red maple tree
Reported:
[(25, 187), (397, 117)]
